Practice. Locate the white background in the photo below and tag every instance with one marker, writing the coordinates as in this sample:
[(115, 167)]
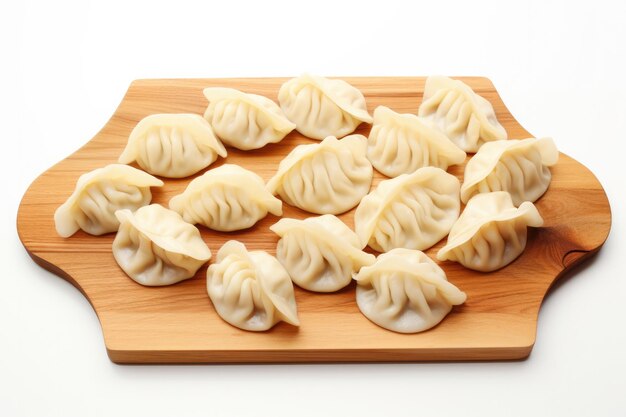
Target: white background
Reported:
[(65, 65)]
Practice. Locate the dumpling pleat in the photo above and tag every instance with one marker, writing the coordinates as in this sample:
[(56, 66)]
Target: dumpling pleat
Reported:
[(416, 296), (444, 109)]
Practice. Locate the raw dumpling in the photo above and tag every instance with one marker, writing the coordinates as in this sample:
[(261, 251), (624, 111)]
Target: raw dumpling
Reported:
[(405, 291), (412, 211), (155, 246), (402, 143), (98, 194), (490, 233), (321, 107), (226, 198), (517, 166), (324, 178), (320, 253), (465, 117), (250, 290), (172, 145), (245, 121)]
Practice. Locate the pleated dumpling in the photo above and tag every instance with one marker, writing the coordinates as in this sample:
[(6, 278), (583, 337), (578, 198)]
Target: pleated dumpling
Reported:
[(250, 290), (517, 166), (329, 177), (405, 291), (155, 246), (98, 194), (490, 233), (465, 117), (320, 253), (172, 145), (226, 198), (245, 121), (412, 211), (402, 143), (322, 107)]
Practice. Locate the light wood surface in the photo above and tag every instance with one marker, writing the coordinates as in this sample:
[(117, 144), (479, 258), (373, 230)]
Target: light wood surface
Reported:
[(178, 324)]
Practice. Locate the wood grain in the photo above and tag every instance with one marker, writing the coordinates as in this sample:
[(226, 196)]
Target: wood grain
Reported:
[(178, 324)]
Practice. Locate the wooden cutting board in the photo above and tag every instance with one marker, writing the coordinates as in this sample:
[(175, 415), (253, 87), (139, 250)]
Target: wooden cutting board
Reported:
[(179, 324)]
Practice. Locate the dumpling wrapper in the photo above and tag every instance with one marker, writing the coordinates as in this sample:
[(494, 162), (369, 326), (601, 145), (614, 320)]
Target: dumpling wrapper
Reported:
[(155, 246), (227, 198), (330, 177), (517, 166), (322, 107), (402, 143), (468, 119), (172, 145), (99, 194), (245, 121), (320, 253), (405, 291), (490, 233), (250, 290), (412, 211)]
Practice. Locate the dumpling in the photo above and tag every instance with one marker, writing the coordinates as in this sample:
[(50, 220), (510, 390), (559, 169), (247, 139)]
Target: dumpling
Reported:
[(490, 233), (245, 121), (465, 117), (405, 291), (250, 290), (226, 198), (412, 211), (322, 107), (402, 143), (517, 166), (320, 253), (172, 145), (98, 194), (155, 246), (329, 177)]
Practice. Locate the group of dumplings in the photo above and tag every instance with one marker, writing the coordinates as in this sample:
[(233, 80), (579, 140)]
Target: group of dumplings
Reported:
[(402, 289)]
